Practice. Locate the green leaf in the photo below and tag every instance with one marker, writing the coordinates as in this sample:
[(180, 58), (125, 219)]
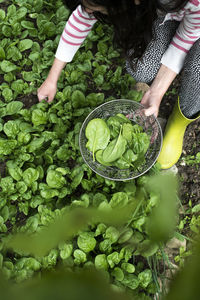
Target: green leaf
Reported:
[(86, 241), (119, 200), (131, 281), (21, 13), (2, 54), (145, 278), (18, 86), (7, 66), (39, 117), (21, 186), (27, 24), (146, 248), (78, 99), (101, 262), (102, 47), (14, 107), (118, 274), (49, 29), (30, 175), (112, 234), (55, 179), (65, 250), (49, 193), (14, 53), (62, 13), (99, 158), (2, 14), (80, 257), (125, 236), (98, 135), (99, 79), (86, 66), (11, 10), (128, 267), (25, 44), (105, 246), (196, 208), (98, 198), (7, 146), (7, 30), (113, 259), (11, 128), (94, 99), (7, 185), (140, 142), (7, 94), (115, 149), (24, 137), (101, 228)]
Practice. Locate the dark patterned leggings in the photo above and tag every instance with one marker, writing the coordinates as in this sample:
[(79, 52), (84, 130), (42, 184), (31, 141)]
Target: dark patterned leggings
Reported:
[(146, 68)]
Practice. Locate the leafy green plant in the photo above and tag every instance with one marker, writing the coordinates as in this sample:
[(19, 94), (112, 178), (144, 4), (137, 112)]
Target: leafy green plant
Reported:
[(192, 159)]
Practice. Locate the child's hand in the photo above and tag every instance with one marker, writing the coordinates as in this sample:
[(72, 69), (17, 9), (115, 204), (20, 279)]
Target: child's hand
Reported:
[(47, 91)]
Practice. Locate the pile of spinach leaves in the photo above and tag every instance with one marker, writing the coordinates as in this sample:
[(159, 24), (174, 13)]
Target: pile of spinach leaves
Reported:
[(117, 142)]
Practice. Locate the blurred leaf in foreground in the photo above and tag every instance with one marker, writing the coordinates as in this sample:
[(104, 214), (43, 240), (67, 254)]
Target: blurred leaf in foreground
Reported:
[(64, 228), (62, 285), (162, 221)]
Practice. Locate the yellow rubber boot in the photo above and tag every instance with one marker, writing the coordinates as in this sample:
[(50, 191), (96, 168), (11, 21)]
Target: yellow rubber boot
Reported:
[(173, 138)]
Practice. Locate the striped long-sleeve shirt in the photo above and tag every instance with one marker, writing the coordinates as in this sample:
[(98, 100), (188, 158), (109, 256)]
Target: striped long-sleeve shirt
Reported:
[(187, 34), (76, 30), (80, 24)]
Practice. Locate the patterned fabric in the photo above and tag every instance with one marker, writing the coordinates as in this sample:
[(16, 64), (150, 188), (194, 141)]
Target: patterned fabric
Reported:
[(146, 68), (190, 83)]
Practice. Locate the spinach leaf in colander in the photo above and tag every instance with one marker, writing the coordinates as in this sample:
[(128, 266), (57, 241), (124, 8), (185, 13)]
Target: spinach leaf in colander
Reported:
[(115, 149), (98, 135)]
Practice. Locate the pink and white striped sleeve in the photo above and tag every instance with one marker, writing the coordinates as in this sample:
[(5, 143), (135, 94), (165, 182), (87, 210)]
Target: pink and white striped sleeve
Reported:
[(76, 30), (186, 35)]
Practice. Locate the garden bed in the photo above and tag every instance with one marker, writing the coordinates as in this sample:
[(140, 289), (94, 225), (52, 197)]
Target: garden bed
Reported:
[(42, 173)]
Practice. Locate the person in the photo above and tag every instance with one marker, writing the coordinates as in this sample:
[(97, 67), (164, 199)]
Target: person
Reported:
[(170, 42)]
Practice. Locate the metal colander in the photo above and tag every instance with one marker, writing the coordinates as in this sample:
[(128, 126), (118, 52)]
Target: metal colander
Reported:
[(134, 111)]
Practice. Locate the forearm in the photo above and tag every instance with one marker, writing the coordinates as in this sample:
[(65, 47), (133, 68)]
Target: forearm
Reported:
[(162, 81), (153, 97), (55, 70), (48, 89)]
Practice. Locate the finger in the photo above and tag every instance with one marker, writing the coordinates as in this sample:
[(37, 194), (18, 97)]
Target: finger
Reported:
[(50, 98), (42, 97), (150, 111)]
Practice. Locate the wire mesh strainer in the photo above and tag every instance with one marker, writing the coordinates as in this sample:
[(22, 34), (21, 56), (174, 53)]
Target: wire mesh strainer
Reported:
[(134, 111)]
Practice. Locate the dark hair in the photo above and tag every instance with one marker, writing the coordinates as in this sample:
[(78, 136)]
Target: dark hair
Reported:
[(171, 5), (131, 22)]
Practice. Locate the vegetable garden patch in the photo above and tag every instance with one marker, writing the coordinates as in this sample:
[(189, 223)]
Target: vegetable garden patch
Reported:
[(43, 175)]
